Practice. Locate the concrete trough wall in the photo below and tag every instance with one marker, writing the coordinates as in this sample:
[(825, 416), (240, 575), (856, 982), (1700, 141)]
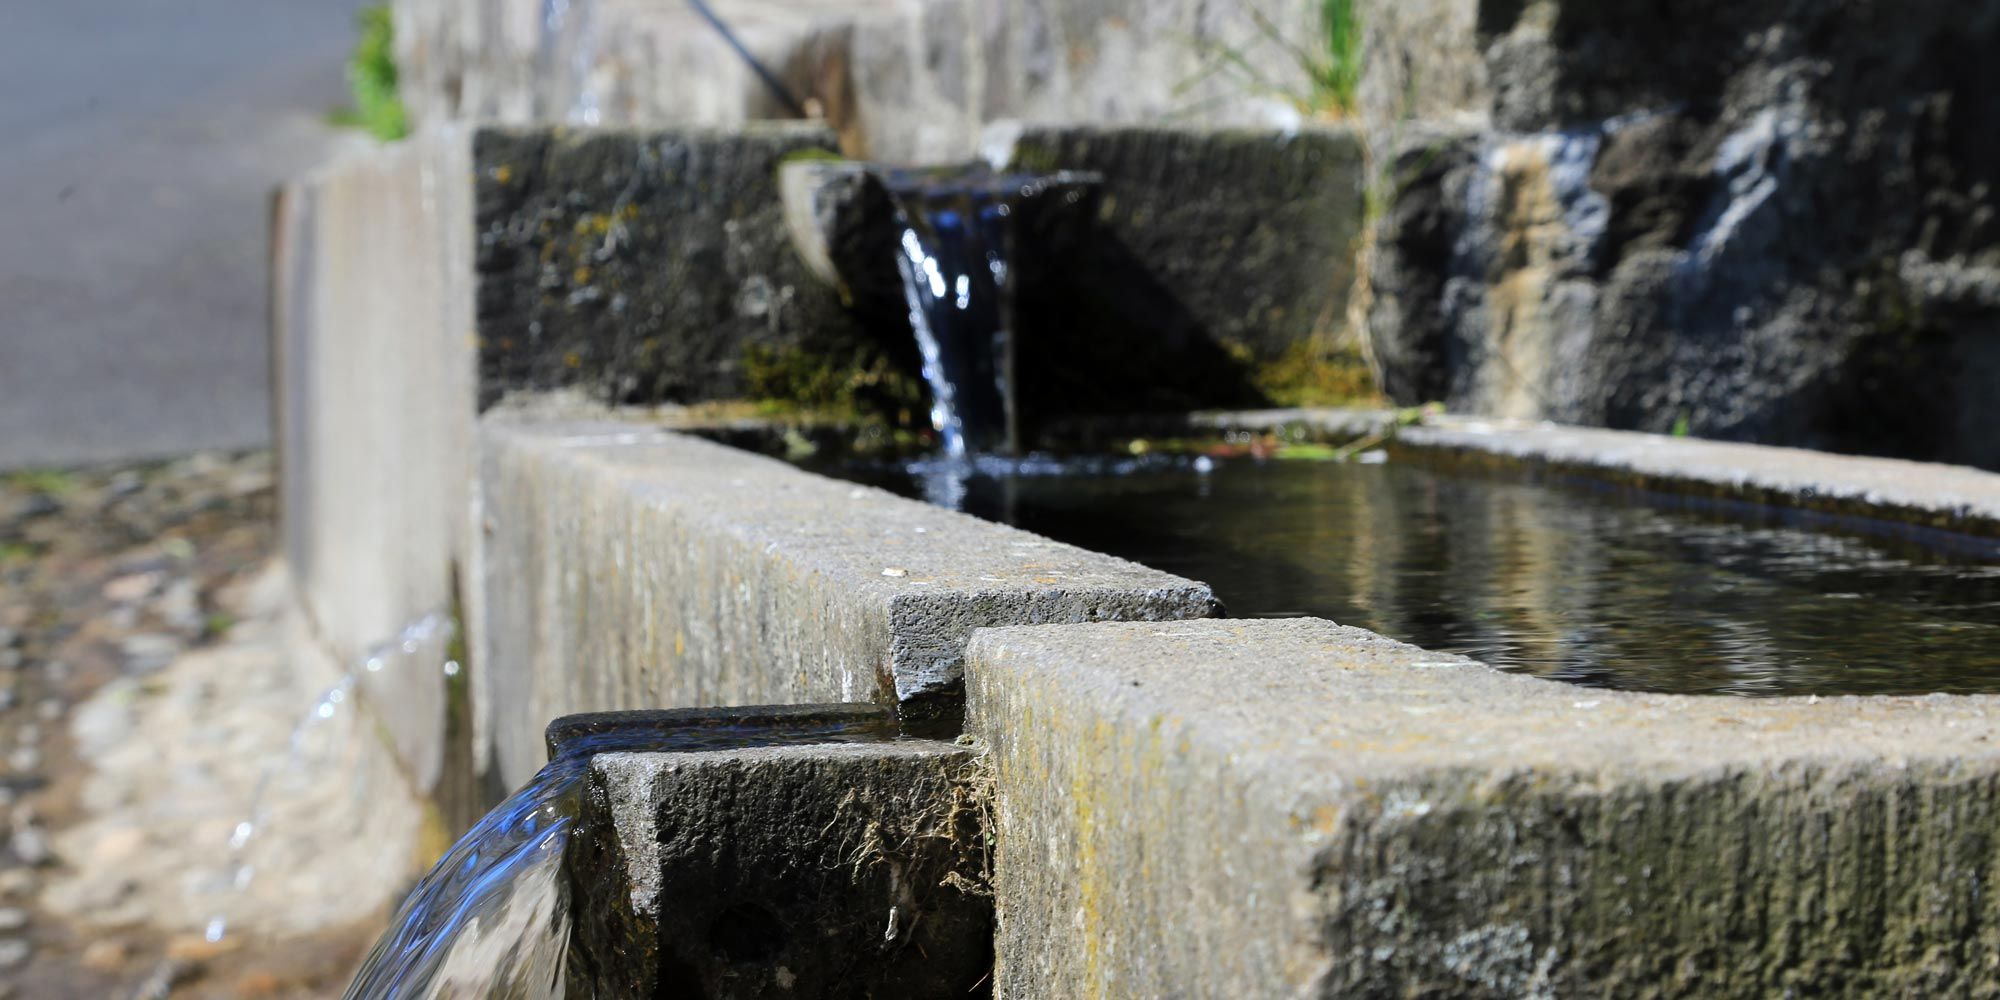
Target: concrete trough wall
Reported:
[(1230, 809), (374, 375), (629, 567), (831, 870), (419, 282)]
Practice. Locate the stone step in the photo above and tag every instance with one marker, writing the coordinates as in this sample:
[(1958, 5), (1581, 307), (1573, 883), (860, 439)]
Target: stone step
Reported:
[(1291, 808)]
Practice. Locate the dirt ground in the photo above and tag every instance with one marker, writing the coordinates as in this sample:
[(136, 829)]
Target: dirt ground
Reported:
[(148, 711)]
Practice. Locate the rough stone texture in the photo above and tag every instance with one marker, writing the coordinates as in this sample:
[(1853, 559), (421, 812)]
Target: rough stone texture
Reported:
[(641, 266), (628, 567), (1774, 220), (1211, 251), (1228, 808), (901, 81), (831, 870)]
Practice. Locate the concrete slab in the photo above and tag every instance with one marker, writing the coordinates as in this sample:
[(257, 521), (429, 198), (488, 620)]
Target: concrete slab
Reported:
[(629, 567), (1951, 497), (375, 385), (418, 282), (830, 870), (1293, 808), (1927, 494)]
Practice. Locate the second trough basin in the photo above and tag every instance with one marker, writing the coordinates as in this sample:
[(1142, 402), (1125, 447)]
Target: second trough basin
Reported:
[(1565, 579)]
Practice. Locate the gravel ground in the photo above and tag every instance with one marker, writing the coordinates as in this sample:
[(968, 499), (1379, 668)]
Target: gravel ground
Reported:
[(145, 694)]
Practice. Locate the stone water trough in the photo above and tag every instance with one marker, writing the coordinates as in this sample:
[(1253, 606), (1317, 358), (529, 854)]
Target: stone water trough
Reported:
[(1107, 791)]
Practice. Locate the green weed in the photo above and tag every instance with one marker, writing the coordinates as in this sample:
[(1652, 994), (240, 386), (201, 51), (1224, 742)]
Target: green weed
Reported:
[(372, 78)]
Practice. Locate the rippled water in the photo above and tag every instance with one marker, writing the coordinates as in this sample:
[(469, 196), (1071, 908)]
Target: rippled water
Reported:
[(492, 918), (1591, 586)]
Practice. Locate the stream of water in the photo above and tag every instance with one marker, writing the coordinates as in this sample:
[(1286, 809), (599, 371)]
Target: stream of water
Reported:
[(492, 918), (957, 238)]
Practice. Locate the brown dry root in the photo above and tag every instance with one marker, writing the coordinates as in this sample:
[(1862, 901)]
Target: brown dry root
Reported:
[(944, 843)]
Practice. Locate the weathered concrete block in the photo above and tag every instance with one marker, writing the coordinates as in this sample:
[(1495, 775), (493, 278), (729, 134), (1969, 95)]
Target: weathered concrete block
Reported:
[(627, 567), (419, 282), (1946, 497), (1233, 809), (640, 266), (375, 400), (1211, 254), (832, 870)]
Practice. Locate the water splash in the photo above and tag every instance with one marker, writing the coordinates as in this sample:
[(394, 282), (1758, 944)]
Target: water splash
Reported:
[(413, 638), (492, 919)]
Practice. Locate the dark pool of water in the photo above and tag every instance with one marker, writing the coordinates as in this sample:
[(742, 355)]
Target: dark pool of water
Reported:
[(1591, 586)]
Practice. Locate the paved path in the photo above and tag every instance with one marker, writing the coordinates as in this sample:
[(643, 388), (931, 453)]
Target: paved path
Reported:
[(139, 140)]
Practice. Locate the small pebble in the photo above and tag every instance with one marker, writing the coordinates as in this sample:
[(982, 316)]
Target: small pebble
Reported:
[(10, 659), (105, 955), (58, 671), (16, 882), (25, 760), (40, 505), (132, 588), (14, 953), (150, 651), (8, 637), (180, 607), (31, 845), (50, 709), (124, 484), (13, 918)]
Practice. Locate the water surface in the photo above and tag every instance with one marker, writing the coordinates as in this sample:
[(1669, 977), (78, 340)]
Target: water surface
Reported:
[(1591, 586)]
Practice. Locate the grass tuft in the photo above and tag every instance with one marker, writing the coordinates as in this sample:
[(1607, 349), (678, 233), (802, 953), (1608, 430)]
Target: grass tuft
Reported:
[(372, 79)]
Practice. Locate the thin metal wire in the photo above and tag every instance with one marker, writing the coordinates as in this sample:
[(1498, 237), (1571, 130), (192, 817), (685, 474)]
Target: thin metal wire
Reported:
[(771, 82)]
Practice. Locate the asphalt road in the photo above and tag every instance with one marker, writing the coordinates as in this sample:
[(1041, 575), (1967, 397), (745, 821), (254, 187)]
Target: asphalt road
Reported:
[(139, 142)]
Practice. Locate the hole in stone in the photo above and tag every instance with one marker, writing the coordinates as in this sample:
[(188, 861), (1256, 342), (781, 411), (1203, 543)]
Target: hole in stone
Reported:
[(746, 932), (678, 981)]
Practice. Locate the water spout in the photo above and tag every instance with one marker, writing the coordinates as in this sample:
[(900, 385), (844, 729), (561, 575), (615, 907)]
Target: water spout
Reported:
[(958, 232), (493, 917)]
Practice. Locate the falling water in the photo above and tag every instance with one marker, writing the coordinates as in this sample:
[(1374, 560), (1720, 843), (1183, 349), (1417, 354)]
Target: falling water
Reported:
[(959, 229), (953, 258), (492, 918), (421, 635)]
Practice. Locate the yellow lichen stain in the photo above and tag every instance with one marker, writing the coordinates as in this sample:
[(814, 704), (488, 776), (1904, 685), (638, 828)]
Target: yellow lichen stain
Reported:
[(629, 212), (503, 174), (680, 643), (594, 224), (580, 276), (1325, 818), (573, 360)]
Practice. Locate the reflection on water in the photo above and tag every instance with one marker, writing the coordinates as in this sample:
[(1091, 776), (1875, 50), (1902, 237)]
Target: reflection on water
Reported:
[(492, 919), (1557, 581)]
